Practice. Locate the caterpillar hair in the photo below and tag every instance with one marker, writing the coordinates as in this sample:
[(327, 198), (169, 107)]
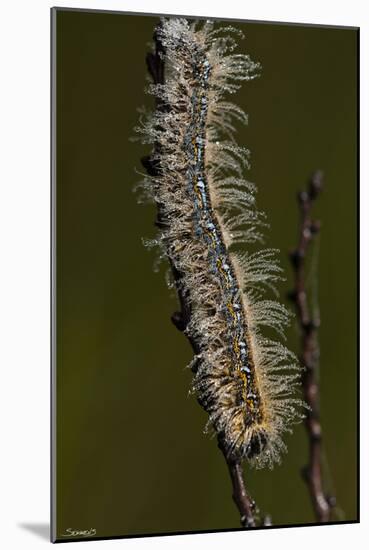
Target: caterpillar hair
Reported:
[(244, 379)]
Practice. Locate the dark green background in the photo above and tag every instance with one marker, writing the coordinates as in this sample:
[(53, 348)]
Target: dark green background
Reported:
[(131, 455)]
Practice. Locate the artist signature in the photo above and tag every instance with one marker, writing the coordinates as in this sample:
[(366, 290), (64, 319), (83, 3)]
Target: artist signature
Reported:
[(79, 532)]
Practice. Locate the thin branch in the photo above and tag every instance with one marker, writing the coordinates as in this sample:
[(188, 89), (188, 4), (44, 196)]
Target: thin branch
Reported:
[(180, 319), (309, 323), (243, 501)]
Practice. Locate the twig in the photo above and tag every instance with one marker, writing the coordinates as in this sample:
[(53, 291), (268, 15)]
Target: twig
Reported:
[(243, 501), (309, 323), (180, 319)]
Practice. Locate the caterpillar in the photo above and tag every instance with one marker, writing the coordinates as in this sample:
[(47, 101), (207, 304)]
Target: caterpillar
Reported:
[(244, 379)]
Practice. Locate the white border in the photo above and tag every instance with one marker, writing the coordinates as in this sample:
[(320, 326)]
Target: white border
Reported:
[(24, 271)]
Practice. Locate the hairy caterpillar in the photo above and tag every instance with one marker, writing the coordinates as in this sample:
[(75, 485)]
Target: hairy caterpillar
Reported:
[(243, 379)]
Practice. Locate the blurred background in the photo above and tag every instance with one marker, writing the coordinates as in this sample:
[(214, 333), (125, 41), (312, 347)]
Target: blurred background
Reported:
[(131, 454)]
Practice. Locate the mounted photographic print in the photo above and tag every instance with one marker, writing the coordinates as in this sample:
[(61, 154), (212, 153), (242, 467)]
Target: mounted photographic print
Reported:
[(204, 275)]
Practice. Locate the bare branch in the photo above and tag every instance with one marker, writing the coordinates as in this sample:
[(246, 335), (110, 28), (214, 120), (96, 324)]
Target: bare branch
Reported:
[(309, 324)]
